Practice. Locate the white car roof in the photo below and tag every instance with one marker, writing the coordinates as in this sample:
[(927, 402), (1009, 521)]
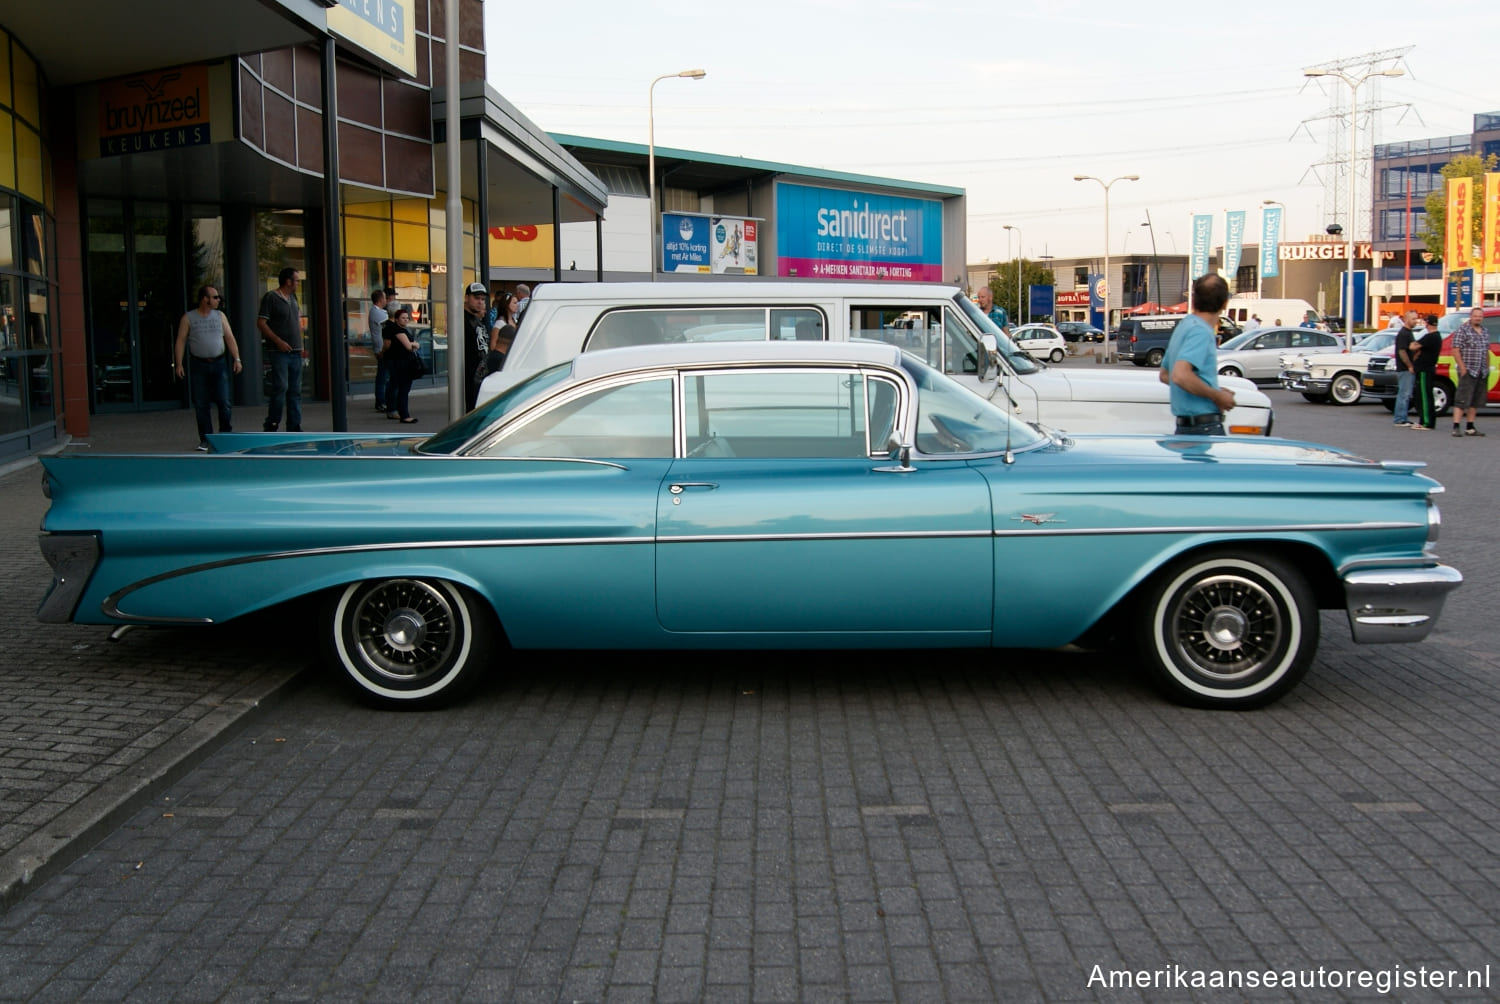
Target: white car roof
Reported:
[(729, 291), (857, 351)]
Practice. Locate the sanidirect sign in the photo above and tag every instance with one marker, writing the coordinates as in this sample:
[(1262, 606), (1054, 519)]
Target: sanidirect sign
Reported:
[(832, 233)]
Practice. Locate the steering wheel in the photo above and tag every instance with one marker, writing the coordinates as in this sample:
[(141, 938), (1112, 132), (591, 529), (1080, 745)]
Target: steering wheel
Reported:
[(947, 436)]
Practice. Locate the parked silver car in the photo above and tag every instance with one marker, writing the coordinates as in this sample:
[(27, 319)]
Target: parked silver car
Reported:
[(1256, 354)]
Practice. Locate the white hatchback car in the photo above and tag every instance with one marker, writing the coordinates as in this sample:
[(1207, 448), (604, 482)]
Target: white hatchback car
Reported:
[(1040, 341)]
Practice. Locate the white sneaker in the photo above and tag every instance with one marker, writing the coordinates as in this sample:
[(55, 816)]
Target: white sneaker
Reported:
[(1402, 425)]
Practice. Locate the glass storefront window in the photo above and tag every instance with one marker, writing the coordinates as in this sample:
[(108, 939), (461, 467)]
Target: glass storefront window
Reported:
[(7, 232), (12, 369), (10, 323), (33, 242)]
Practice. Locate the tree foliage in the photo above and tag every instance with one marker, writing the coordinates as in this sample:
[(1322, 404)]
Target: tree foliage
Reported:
[(1469, 165), (1003, 286)]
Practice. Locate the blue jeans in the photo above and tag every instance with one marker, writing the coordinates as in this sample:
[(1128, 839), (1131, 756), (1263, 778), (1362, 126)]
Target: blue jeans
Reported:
[(382, 379), (1405, 380), (209, 382), (286, 388)]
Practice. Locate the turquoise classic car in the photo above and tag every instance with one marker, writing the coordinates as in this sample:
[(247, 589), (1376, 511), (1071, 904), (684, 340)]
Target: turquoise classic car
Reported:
[(754, 495)]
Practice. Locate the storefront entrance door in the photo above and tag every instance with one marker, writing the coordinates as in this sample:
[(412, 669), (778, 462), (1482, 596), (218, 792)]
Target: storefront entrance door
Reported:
[(135, 298)]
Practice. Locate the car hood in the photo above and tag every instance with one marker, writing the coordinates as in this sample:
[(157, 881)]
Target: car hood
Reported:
[(336, 444), (1134, 385)]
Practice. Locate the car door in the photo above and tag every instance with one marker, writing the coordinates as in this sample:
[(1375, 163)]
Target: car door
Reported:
[(1264, 361), (778, 525)]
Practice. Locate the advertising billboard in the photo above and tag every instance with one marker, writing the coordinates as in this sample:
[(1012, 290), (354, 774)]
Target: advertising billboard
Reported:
[(832, 233), (720, 245), (385, 29)]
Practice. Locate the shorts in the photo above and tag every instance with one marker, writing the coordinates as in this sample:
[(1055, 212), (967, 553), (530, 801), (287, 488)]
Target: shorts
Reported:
[(1473, 388)]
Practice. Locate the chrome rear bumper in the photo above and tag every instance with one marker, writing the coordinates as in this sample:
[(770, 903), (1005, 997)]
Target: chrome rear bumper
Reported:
[(72, 557), (1397, 604)]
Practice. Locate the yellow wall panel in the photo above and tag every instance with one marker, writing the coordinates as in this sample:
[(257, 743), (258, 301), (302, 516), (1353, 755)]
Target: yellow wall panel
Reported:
[(4, 68), (366, 238), (409, 210), (7, 152), (27, 100), (410, 243), (28, 163)]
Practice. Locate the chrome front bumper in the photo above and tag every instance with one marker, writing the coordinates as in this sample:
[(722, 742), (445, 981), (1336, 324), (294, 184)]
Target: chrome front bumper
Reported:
[(1397, 604)]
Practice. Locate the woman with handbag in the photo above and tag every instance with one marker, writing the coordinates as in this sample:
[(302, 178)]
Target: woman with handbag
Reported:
[(401, 356)]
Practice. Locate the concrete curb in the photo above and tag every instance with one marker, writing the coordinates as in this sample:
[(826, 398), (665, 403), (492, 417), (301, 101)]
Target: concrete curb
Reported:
[(74, 832)]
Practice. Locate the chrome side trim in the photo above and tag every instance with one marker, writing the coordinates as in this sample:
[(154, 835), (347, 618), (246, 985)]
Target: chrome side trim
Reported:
[(719, 538), (111, 604), (1108, 531)]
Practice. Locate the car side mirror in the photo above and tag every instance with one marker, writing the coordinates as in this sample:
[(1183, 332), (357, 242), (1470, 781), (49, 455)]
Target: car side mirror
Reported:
[(901, 453), (988, 347)]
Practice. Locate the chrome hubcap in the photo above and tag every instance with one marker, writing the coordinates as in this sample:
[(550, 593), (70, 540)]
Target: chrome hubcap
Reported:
[(404, 630), (1227, 627)]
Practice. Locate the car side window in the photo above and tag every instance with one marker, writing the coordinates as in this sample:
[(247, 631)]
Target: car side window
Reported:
[(1274, 340), (782, 414), (632, 420), (657, 325), (961, 349), (918, 330)]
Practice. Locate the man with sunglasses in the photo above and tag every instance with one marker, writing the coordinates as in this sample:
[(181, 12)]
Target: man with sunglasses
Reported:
[(203, 335)]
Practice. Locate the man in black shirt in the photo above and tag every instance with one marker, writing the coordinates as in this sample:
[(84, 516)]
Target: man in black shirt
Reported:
[(1424, 362), (280, 323)]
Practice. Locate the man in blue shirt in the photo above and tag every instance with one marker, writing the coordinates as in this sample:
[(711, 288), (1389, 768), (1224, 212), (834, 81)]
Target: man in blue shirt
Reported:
[(1191, 364), (986, 300)]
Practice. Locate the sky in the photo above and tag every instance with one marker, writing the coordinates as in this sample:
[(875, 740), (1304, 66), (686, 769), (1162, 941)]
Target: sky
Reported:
[(1008, 101)]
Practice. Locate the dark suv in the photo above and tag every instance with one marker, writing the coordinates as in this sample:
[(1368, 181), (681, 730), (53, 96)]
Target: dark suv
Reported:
[(1143, 340), (1079, 331)]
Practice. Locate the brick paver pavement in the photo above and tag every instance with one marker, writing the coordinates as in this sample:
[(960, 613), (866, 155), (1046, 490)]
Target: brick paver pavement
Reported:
[(805, 826)]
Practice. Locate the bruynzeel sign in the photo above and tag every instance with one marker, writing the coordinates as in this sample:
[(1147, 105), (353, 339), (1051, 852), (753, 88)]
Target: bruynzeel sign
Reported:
[(159, 110), (382, 28)]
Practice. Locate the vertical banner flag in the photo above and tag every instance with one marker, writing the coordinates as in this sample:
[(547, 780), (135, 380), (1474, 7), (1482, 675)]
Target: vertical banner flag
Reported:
[(1270, 243), (1234, 242), (1490, 247), (1456, 246), (1203, 232)]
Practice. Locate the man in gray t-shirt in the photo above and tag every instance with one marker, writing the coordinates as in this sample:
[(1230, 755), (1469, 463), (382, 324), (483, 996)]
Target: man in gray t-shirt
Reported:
[(280, 323), (377, 319)]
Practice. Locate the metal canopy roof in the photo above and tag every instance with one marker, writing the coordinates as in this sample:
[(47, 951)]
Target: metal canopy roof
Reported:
[(78, 41), (711, 172)]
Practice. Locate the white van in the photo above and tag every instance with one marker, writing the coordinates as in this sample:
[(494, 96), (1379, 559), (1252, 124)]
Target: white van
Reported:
[(1286, 313), (939, 324)]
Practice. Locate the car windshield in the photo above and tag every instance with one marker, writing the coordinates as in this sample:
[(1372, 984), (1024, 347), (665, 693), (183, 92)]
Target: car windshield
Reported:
[(1375, 342), (953, 419), (1238, 341), (451, 439), (1018, 360)]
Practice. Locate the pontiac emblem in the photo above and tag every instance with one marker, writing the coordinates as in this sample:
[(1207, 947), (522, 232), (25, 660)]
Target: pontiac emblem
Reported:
[(1038, 518)]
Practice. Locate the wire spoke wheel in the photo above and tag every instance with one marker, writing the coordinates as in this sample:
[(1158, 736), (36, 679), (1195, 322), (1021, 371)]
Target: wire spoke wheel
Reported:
[(409, 642), (405, 630), (1227, 626)]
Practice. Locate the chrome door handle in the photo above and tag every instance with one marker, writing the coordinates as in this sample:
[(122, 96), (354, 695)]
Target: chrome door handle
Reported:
[(682, 486)]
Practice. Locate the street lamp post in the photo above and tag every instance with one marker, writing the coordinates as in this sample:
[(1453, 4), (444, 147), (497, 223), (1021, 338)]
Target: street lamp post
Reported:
[(1155, 260), (1353, 82), (1108, 342), (651, 156), (1287, 266), (1018, 270)]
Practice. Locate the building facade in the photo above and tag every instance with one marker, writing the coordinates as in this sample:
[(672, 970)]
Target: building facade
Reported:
[(296, 133)]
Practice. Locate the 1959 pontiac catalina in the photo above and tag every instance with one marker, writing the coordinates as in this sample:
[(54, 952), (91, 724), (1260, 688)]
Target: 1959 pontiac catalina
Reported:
[(755, 495)]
